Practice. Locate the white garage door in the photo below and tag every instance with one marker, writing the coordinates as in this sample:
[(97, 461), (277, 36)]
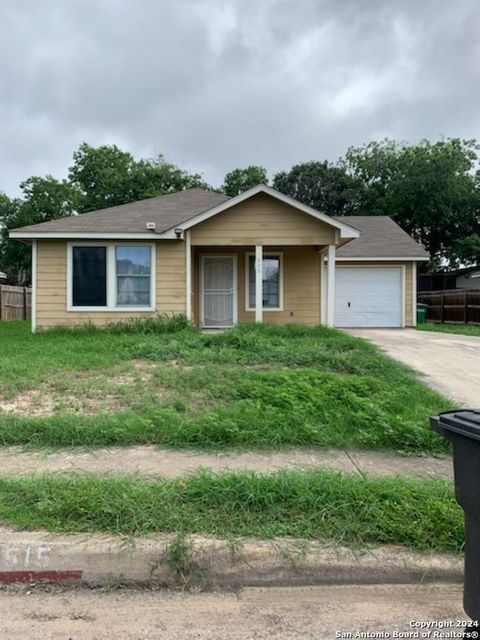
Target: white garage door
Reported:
[(368, 297)]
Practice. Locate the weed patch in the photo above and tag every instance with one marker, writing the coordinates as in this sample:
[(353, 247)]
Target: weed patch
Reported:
[(320, 505)]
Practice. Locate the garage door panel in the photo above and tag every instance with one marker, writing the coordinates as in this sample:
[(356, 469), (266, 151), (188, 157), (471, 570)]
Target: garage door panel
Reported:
[(368, 297)]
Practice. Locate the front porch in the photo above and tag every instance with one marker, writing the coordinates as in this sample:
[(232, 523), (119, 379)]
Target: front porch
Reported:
[(223, 283)]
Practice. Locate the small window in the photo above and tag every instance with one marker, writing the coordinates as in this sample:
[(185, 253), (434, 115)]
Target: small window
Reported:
[(271, 281), (133, 273), (89, 281)]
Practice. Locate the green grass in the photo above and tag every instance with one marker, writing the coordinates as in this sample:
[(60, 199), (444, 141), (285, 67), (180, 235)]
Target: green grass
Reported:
[(462, 329), (321, 505), (251, 387)]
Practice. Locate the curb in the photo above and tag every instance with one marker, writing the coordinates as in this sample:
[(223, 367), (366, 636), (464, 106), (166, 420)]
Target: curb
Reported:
[(98, 560)]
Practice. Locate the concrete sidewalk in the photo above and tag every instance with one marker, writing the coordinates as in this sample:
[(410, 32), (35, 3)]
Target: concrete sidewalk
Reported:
[(173, 463)]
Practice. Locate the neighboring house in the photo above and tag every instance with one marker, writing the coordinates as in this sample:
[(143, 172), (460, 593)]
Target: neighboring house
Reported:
[(466, 278), (260, 256), (3, 277)]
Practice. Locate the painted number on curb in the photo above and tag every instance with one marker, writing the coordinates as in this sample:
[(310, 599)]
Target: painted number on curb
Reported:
[(25, 557)]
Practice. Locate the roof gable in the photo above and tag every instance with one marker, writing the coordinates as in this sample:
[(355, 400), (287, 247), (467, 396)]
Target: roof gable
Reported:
[(345, 230)]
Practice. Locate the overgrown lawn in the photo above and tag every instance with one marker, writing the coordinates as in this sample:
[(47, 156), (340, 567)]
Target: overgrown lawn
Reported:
[(168, 384), (322, 505)]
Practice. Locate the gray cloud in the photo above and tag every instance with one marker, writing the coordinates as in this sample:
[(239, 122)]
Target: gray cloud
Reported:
[(217, 84)]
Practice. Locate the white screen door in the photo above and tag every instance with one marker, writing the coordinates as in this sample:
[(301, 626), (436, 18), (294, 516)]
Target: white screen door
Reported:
[(218, 301)]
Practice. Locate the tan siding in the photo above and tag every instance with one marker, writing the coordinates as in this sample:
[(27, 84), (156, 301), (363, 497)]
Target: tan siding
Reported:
[(301, 278), (301, 285), (262, 220), (408, 302), (52, 286), (409, 307)]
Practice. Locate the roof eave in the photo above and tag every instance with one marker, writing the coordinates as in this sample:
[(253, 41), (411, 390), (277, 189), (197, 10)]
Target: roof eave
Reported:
[(382, 258), (92, 235)]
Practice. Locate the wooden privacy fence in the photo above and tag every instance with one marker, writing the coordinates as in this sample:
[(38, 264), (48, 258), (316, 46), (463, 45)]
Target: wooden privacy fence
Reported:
[(460, 306), (15, 302)]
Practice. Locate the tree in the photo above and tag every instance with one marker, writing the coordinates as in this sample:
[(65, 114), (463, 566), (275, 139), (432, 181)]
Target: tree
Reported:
[(47, 199), (321, 185), (106, 176), (468, 249), (373, 167), (430, 190), (156, 176), (11, 254), (240, 180), (43, 199)]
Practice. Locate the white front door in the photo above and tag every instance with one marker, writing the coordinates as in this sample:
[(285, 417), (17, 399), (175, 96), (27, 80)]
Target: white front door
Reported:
[(218, 299), (368, 297)]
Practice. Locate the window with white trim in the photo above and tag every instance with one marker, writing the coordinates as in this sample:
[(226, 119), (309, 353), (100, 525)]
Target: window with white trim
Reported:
[(133, 265), (89, 276), (271, 279), (110, 276)]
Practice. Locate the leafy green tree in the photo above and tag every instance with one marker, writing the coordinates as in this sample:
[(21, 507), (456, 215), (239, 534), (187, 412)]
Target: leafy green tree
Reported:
[(431, 190), (156, 176), (468, 249), (373, 166), (47, 199), (43, 199), (101, 175), (9, 251), (240, 180), (321, 185), (106, 176)]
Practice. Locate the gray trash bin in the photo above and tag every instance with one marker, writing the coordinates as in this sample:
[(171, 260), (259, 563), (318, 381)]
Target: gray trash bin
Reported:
[(462, 428)]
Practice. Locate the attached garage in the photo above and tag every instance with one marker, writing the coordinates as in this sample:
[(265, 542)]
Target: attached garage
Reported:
[(369, 296)]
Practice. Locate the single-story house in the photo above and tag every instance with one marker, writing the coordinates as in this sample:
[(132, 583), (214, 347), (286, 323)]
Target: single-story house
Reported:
[(464, 278), (260, 256), (468, 278)]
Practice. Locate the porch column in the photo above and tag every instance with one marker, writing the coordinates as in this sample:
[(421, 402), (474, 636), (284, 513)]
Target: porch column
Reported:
[(323, 287), (258, 283), (34, 286), (331, 285), (188, 276)]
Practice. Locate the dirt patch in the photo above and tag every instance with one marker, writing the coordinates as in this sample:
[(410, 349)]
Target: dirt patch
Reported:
[(32, 403), (46, 403), (88, 392)]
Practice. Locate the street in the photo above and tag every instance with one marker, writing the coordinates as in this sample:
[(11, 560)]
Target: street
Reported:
[(276, 613)]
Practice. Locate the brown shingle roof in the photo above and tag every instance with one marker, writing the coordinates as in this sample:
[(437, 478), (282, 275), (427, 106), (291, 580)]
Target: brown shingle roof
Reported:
[(380, 237), (166, 211)]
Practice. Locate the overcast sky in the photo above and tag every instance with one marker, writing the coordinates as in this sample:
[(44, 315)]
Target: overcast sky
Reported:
[(215, 85)]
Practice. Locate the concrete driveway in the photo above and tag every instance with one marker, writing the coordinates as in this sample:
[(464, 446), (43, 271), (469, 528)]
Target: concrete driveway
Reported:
[(449, 363)]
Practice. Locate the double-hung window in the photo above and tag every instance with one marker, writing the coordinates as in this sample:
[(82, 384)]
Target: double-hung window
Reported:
[(133, 273), (271, 281), (111, 277)]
